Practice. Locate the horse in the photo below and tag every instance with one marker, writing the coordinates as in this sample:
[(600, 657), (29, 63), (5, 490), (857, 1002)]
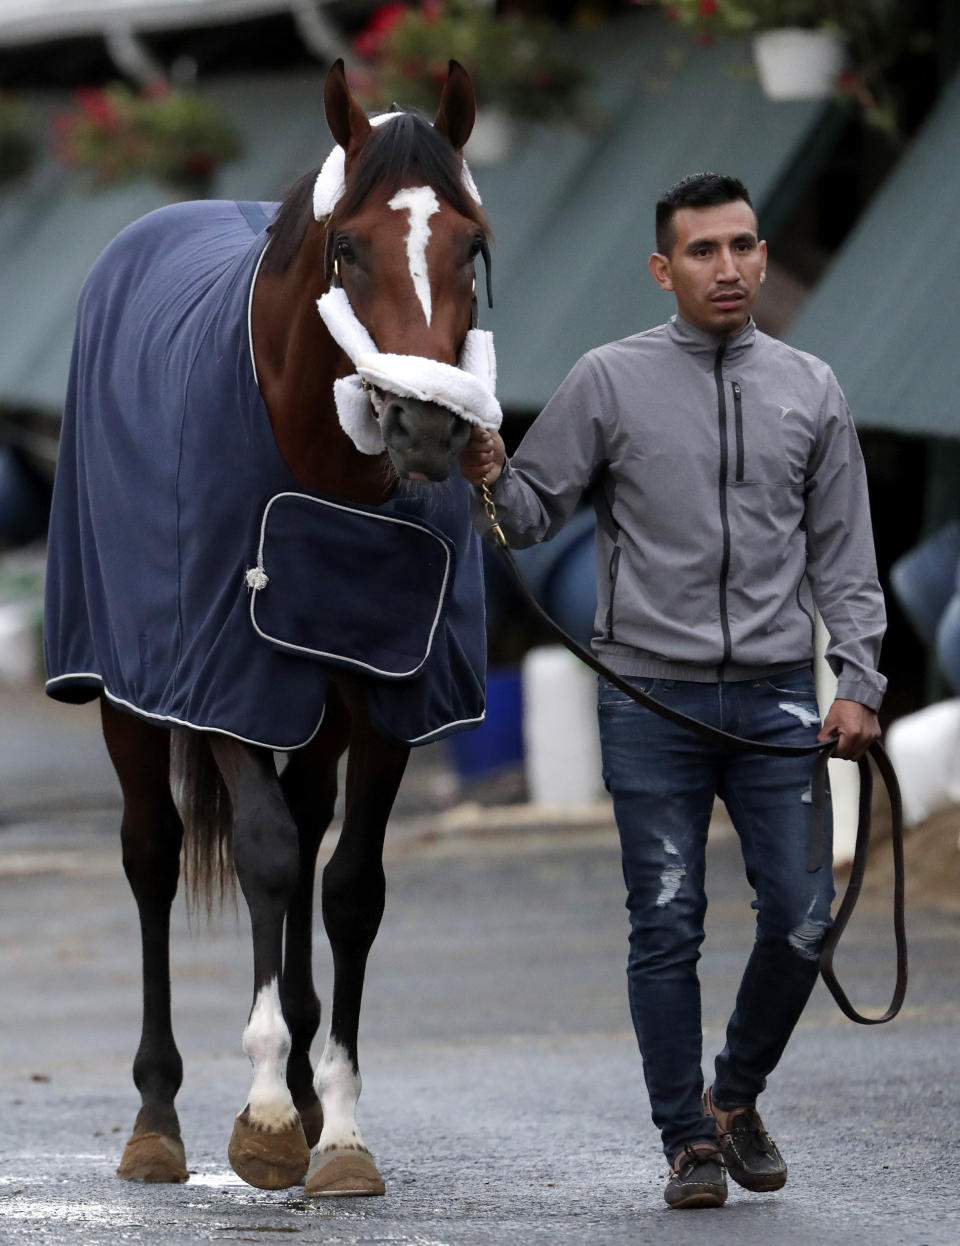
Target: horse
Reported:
[(219, 462)]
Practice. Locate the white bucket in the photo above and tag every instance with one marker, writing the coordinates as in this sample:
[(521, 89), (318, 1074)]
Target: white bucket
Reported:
[(798, 64), (561, 740)]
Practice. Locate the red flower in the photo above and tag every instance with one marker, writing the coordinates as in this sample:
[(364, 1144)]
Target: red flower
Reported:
[(708, 8), (431, 10), (97, 105), (376, 34)]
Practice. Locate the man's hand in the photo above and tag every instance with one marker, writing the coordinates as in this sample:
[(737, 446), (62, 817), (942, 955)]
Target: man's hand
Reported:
[(853, 726), (484, 457)]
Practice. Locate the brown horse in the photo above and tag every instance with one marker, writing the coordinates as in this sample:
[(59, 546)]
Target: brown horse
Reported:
[(400, 239)]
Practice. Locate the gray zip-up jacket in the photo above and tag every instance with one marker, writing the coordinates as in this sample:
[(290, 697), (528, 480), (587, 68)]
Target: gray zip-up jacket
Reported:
[(731, 498)]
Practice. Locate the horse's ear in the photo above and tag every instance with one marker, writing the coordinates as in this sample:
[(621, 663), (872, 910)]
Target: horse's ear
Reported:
[(347, 121), (458, 107)]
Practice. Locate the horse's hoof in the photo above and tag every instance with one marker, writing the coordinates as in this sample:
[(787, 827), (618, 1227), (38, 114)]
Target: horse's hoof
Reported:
[(153, 1157), (270, 1160), (343, 1172), (312, 1121)]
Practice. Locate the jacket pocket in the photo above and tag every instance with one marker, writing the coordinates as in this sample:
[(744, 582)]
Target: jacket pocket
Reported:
[(772, 442)]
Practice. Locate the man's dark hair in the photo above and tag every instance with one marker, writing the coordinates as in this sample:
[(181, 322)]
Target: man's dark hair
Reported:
[(698, 190)]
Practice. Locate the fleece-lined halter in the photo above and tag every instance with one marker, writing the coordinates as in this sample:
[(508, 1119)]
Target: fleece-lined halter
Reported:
[(467, 390)]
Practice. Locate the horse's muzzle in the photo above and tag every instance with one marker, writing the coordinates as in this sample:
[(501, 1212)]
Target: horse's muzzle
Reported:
[(422, 438)]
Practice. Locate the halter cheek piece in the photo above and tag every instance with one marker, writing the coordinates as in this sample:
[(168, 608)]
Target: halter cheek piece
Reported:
[(487, 272)]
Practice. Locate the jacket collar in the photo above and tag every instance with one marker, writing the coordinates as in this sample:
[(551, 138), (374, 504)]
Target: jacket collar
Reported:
[(700, 342)]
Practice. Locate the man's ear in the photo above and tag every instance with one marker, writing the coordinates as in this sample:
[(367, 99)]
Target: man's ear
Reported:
[(660, 271)]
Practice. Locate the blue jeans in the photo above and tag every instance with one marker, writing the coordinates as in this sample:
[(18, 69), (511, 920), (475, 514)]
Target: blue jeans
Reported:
[(663, 780)]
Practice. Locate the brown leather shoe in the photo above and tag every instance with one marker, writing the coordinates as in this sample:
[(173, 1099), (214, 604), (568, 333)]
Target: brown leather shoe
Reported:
[(697, 1178), (750, 1154)]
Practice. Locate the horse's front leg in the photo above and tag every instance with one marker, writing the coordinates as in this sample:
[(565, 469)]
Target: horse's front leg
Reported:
[(151, 834), (268, 1148), (352, 892)]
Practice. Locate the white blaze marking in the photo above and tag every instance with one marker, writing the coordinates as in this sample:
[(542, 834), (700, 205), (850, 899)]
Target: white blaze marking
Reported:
[(266, 1040), (338, 1088), (421, 203)]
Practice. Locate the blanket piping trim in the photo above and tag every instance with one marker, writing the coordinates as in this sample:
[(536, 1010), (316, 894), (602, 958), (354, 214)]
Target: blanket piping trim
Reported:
[(182, 722), (253, 282), (257, 579), (277, 748)]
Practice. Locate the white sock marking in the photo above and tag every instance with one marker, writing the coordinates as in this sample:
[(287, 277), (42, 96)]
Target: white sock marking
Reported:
[(421, 203), (338, 1088), (266, 1040)]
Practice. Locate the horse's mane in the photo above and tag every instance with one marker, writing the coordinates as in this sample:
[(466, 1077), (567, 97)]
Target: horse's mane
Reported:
[(396, 151)]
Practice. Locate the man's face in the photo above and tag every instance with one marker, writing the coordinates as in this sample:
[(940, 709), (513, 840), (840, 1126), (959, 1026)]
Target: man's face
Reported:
[(715, 267)]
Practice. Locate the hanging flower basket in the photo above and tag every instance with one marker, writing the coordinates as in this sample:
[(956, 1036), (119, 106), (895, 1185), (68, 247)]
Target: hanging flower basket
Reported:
[(811, 49), (798, 64), (18, 147), (115, 135), (514, 60)]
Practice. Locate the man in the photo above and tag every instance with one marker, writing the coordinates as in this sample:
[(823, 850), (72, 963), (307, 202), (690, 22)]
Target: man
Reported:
[(731, 500)]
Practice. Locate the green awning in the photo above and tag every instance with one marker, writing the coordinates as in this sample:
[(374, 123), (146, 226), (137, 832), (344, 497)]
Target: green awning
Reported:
[(573, 211), (572, 208), (885, 314)]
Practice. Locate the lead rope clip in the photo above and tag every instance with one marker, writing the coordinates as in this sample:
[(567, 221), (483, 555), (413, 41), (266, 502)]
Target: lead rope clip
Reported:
[(491, 510)]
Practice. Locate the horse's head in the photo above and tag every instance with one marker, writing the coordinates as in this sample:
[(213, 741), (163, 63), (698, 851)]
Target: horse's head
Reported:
[(402, 241)]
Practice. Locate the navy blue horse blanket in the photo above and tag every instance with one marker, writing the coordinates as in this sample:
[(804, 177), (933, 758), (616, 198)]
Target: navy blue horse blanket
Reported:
[(189, 577)]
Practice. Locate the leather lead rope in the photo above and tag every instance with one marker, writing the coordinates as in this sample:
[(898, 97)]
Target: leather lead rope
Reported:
[(818, 792)]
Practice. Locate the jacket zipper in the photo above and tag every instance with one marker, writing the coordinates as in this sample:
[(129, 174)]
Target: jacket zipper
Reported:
[(724, 518), (738, 425), (613, 569)]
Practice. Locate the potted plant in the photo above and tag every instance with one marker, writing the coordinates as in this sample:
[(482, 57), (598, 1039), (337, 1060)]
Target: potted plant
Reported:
[(799, 46), (18, 147), (115, 134), (518, 70)]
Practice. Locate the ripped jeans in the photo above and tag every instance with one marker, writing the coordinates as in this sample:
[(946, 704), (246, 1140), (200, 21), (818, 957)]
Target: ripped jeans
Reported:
[(663, 780)]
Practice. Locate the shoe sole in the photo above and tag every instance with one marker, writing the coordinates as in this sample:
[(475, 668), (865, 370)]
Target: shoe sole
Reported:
[(705, 1198), (758, 1184)]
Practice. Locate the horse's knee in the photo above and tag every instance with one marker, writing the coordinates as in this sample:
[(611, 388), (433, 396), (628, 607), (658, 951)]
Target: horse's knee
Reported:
[(353, 896)]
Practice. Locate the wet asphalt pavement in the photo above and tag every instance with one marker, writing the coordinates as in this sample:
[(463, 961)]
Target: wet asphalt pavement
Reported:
[(502, 1089)]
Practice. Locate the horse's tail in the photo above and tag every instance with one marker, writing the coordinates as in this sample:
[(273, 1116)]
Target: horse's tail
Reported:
[(204, 805)]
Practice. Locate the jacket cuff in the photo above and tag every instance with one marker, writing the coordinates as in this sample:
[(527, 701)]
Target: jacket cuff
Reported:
[(866, 692)]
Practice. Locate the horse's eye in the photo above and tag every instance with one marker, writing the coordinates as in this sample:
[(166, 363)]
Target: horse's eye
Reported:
[(476, 247), (343, 250)]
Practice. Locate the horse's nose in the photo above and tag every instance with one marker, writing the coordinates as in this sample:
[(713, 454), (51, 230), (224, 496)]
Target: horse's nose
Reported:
[(421, 437)]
